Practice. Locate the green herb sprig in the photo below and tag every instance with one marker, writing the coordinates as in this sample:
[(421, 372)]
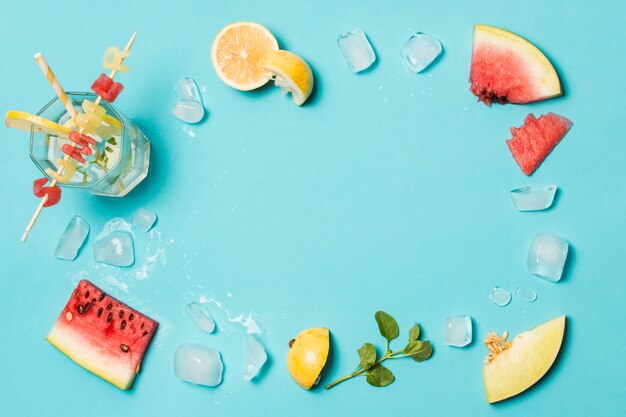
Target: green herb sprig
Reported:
[(371, 366)]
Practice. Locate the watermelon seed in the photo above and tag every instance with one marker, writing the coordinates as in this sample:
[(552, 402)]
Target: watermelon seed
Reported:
[(142, 325), (123, 324), (109, 317), (69, 316), (109, 306), (121, 314), (101, 296), (99, 311), (124, 348), (145, 332), (93, 301), (79, 309), (131, 316), (76, 293), (86, 294), (86, 307)]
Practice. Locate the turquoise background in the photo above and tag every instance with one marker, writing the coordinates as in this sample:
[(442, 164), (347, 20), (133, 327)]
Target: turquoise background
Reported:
[(387, 191)]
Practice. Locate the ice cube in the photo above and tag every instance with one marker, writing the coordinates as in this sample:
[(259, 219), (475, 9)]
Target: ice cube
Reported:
[(115, 248), (458, 331), (255, 358), (500, 296), (198, 364), (357, 50), (201, 316), (546, 256), (533, 198), (143, 220), (420, 51), (72, 238), (526, 294), (188, 107)]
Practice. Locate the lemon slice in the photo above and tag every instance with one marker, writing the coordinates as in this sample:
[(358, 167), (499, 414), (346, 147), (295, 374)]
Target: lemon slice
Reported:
[(26, 121), (290, 72), (235, 52)]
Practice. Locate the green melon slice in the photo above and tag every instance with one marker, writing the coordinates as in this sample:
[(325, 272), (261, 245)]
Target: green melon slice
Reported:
[(103, 335), (506, 68), (522, 362)]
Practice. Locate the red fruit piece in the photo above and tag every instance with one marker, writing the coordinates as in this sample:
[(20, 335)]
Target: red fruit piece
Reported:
[(102, 334), (54, 193), (105, 87), (81, 146), (535, 139)]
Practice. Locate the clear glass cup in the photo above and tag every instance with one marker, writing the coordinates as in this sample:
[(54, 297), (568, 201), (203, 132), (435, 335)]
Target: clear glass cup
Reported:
[(121, 156)]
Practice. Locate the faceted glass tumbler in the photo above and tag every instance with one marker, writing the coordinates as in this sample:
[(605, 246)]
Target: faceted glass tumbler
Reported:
[(128, 148)]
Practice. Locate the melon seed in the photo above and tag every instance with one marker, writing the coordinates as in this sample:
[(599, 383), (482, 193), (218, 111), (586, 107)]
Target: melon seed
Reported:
[(109, 317), (76, 293), (93, 301), (79, 309), (142, 325), (86, 308), (101, 296), (99, 311), (124, 348), (145, 332), (87, 294), (123, 324), (131, 316), (121, 314), (69, 316), (109, 306)]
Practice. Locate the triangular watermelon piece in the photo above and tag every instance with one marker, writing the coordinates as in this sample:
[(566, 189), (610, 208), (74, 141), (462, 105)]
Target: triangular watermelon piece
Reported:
[(534, 141)]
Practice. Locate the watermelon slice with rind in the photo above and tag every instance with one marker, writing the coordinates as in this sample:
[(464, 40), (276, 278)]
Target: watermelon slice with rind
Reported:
[(506, 68), (103, 335), (536, 138)]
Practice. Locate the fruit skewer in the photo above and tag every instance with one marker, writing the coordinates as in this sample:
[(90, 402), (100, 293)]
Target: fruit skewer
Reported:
[(65, 101)]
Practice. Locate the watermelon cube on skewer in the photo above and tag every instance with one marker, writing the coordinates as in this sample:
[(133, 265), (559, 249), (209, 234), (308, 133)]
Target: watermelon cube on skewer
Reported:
[(103, 335)]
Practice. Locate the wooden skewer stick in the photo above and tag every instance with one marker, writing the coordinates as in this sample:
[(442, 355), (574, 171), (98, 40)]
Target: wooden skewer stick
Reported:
[(58, 89)]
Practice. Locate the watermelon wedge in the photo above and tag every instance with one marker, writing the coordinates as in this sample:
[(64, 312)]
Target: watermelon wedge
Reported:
[(534, 141), (103, 335), (506, 68)]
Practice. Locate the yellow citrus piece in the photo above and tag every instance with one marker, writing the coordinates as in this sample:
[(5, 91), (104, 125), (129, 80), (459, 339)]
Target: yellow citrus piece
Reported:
[(25, 121), (235, 52), (290, 72), (307, 356)]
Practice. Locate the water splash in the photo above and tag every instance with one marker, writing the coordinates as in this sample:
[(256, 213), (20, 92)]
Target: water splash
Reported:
[(245, 320)]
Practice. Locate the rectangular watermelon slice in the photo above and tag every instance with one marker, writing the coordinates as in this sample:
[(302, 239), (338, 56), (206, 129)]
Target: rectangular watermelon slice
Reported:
[(103, 335), (537, 137)]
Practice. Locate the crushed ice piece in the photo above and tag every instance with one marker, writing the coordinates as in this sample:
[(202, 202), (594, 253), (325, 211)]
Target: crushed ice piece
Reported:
[(357, 50), (533, 198), (419, 51), (255, 358), (245, 320), (201, 316), (546, 256), (458, 331), (198, 364), (72, 239), (189, 131), (115, 248), (143, 220), (188, 107), (500, 296), (526, 294)]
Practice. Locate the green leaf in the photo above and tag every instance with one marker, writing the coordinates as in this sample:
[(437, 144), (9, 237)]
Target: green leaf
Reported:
[(414, 332), (379, 376), (112, 141), (419, 351), (108, 149), (367, 353), (387, 325)]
